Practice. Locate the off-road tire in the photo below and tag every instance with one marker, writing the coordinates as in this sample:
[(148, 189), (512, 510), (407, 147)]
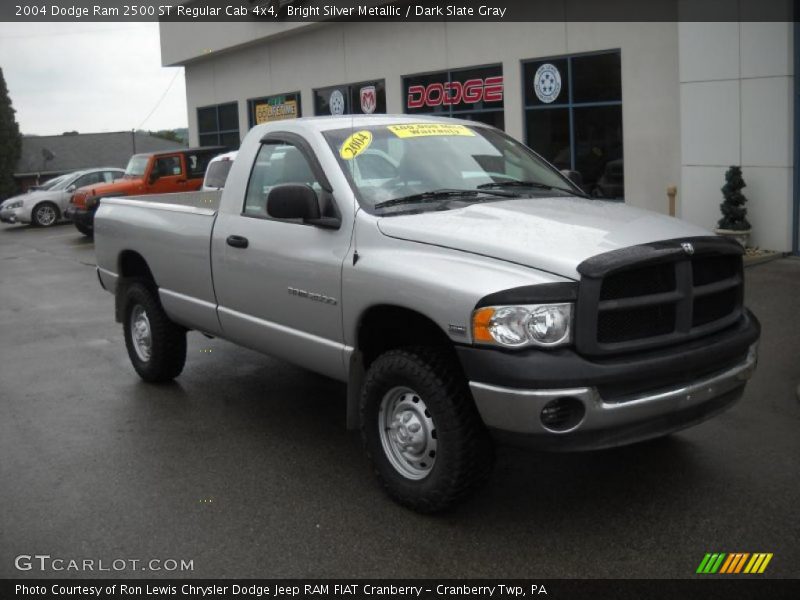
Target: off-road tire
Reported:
[(87, 231), (168, 340), (38, 220), (465, 453)]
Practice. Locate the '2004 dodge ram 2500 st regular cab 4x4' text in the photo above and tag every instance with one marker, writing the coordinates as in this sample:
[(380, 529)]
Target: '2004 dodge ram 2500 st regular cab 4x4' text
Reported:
[(462, 287)]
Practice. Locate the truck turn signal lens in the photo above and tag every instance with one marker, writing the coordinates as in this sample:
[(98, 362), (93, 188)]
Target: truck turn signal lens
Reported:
[(480, 324)]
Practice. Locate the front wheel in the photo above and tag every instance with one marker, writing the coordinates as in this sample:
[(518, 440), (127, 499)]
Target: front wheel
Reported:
[(421, 430), (87, 231), (44, 214), (156, 345)]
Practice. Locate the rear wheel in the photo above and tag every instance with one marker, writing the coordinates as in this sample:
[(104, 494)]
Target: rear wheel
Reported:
[(44, 214), (421, 430), (156, 345)]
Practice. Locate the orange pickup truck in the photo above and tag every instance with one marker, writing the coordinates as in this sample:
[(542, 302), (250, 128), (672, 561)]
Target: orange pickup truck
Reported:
[(151, 173)]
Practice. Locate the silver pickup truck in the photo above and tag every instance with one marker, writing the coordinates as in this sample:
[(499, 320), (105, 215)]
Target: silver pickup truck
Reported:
[(464, 289)]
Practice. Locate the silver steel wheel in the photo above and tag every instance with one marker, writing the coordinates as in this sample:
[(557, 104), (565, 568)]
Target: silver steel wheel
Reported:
[(408, 433), (45, 215), (141, 335)]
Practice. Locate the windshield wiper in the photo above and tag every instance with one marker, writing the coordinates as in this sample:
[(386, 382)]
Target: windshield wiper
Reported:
[(531, 184), (438, 195)]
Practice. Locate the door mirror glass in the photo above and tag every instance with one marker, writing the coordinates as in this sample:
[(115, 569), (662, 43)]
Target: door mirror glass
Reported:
[(293, 201)]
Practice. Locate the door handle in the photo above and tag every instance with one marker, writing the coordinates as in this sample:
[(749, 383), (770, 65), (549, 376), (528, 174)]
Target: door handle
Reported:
[(237, 241)]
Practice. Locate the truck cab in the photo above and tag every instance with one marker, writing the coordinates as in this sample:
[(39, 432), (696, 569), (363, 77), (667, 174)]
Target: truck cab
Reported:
[(149, 173)]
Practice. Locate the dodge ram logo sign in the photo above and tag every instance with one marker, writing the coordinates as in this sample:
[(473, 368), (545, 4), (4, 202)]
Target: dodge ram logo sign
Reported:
[(368, 99), (455, 92)]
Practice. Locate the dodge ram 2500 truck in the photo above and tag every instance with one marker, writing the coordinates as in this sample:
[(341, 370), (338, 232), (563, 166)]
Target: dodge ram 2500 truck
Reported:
[(463, 288)]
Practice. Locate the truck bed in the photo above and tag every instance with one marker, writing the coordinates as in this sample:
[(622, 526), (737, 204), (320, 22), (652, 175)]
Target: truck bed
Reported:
[(208, 201), (172, 233)]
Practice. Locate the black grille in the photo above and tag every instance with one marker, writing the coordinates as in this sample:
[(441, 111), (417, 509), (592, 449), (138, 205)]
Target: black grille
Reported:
[(638, 282), (708, 269), (615, 326), (713, 307), (676, 297)]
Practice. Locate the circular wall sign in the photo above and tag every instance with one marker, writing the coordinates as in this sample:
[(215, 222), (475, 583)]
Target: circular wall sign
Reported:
[(336, 103), (547, 83)]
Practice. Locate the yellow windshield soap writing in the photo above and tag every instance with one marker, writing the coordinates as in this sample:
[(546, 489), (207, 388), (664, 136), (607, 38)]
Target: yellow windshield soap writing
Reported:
[(426, 129), (355, 144)]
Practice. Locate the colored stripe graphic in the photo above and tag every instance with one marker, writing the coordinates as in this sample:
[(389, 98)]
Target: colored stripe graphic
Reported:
[(734, 562), (711, 563)]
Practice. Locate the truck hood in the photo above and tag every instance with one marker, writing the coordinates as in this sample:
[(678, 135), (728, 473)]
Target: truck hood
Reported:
[(551, 234), (120, 186)]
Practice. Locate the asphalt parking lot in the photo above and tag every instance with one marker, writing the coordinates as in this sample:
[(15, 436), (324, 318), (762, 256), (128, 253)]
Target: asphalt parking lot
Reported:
[(244, 465)]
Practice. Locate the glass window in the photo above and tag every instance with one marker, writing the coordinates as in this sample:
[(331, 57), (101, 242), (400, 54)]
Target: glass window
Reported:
[(276, 163), (219, 125), (217, 173), (596, 78), (109, 176), (197, 162), (167, 166), (598, 149), (89, 179), (364, 98), (229, 117), (573, 117), (548, 134), (207, 119), (137, 165), (474, 93)]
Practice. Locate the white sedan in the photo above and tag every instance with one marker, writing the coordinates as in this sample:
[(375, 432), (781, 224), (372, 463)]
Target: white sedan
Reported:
[(45, 205)]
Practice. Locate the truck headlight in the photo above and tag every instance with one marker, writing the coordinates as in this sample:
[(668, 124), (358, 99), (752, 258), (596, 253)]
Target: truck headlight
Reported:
[(526, 325)]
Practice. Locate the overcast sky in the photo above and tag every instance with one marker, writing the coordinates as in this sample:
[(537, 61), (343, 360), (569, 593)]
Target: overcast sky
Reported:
[(89, 77)]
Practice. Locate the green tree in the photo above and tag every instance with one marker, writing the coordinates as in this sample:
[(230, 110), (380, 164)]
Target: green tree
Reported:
[(10, 142), (168, 134)]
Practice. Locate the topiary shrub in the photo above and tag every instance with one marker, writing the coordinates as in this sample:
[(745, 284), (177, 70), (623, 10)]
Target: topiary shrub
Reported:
[(734, 213)]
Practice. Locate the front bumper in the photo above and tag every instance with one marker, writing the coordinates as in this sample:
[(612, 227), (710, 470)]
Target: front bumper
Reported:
[(81, 216), (12, 215), (618, 402)]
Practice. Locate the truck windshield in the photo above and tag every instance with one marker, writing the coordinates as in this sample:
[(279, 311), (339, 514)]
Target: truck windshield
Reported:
[(416, 163), (136, 166)]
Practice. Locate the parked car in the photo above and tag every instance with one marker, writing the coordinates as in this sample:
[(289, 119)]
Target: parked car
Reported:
[(217, 171), (151, 173), (465, 289), (47, 204)]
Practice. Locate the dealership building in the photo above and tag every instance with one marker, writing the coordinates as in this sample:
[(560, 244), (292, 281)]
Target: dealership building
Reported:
[(634, 107)]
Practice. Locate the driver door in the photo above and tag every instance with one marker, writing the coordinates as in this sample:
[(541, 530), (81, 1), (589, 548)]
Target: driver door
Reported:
[(171, 173), (278, 281)]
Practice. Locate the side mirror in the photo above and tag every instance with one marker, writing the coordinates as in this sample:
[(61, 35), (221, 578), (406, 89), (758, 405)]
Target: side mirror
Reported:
[(298, 201), (153, 177), (574, 176), (293, 201), (71, 188)]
